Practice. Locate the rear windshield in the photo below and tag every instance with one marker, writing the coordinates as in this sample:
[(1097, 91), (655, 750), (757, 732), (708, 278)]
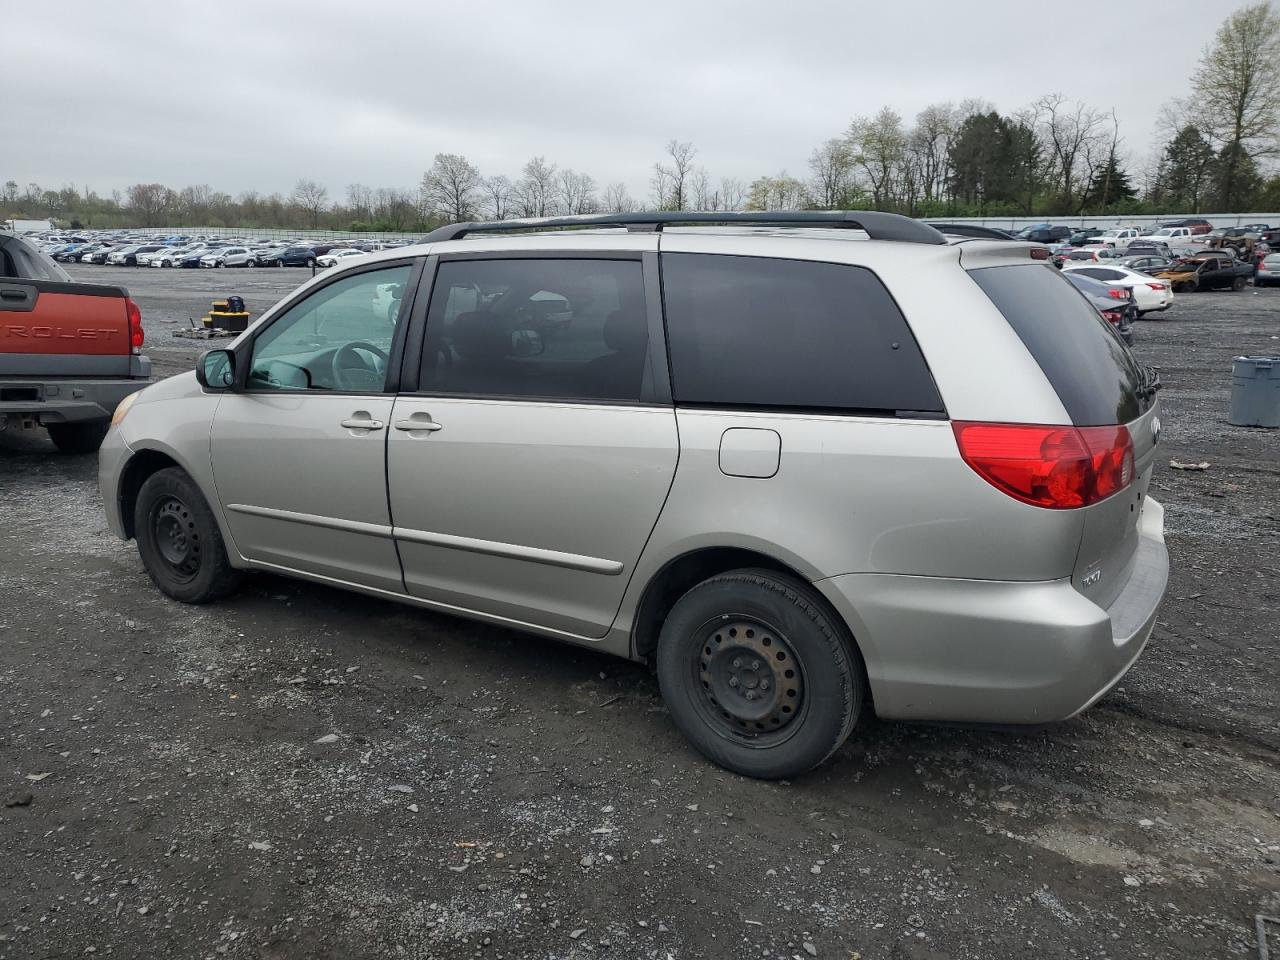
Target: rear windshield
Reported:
[(1091, 370)]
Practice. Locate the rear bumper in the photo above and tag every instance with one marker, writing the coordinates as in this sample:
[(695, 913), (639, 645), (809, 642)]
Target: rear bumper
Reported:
[(1008, 652), (52, 400)]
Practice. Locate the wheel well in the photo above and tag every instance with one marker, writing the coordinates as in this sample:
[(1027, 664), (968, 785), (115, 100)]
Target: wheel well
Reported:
[(681, 575), (140, 467)]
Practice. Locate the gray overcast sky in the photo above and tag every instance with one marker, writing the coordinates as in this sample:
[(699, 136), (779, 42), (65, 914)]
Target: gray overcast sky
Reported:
[(247, 96)]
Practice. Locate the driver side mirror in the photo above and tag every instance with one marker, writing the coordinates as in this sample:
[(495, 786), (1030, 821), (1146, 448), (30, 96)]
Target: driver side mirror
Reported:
[(216, 370)]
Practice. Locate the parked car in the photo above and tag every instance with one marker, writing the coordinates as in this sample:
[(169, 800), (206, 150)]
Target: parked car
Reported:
[(1118, 238), (128, 256), (625, 487), (336, 254), (1043, 233), (244, 257), (171, 257), (1149, 248), (1090, 254), (69, 351), (1082, 237), (1115, 304), (1211, 270), (1146, 263), (296, 257), (218, 257), (1169, 235), (1196, 225), (192, 260), (100, 255), (1149, 294), (1268, 272), (144, 259)]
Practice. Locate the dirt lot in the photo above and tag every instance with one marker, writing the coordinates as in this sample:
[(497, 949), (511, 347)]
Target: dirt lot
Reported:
[(300, 772)]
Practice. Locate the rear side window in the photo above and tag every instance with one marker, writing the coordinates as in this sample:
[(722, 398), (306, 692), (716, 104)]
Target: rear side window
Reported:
[(1084, 361), (766, 333)]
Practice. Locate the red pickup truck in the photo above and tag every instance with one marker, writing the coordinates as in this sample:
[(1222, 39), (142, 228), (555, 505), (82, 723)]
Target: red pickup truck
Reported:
[(69, 352)]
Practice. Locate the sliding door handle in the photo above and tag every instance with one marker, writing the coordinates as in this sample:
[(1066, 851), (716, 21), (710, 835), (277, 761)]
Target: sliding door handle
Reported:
[(413, 426)]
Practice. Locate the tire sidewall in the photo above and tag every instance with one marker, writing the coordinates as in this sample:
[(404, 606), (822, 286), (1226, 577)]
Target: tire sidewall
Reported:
[(831, 670)]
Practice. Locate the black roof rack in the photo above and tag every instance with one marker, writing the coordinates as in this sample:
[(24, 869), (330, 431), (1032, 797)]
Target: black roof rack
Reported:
[(971, 230), (878, 226)]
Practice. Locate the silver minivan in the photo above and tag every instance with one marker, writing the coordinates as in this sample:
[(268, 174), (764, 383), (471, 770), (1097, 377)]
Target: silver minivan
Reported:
[(807, 465)]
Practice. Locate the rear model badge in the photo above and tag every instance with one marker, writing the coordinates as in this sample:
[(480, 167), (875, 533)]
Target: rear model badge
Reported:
[(1091, 578)]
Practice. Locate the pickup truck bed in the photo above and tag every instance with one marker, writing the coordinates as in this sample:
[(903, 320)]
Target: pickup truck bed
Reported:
[(69, 352)]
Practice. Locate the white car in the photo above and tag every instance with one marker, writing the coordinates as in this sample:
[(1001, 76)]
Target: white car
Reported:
[(1120, 237), (146, 259), (1150, 294), (170, 257), (333, 256), (214, 258), (1170, 235)]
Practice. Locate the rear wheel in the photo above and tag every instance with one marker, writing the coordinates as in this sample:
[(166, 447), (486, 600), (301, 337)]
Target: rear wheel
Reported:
[(1238, 283), (758, 675), (311, 263), (179, 541), (81, 437)]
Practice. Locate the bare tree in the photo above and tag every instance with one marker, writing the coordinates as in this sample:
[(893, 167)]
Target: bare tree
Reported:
[(311, 197), (671, 178), (1070, 130), (394, 207), (832, 166), (1236, 93), (700, 190), (360, 200), (534, 193), (616, 199), (928, 144), (497, 196), (148, 202), (575, 191), (733, 194), (449, 187)]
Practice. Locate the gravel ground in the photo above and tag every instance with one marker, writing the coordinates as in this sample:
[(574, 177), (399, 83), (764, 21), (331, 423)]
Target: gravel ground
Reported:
[(304, 773)]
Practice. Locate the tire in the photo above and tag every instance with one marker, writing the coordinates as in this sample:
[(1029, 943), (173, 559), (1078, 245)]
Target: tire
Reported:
[(1238, 283), (743, 632), (84, 436), (279, 264), (179, 541), (251, 262), (311, 263)]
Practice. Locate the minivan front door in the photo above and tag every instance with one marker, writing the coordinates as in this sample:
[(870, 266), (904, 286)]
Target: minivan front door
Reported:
[(299, 455), (527, 471)]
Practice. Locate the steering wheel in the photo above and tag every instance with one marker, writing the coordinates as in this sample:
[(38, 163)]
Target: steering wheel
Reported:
[(351, 371)]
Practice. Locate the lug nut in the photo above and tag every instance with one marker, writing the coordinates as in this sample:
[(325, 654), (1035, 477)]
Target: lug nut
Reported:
[(764, 684), (737, 663), (733, 681), (751, 694), (755, 664)]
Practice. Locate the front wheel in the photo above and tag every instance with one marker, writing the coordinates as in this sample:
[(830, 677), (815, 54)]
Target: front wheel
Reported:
[(1238, 283), (83, 436), (179, 541), (758, 675), (311, 264)]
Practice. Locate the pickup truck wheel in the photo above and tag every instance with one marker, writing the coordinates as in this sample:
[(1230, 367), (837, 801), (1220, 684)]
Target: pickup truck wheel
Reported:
[(758, 675), (179, 541), (1238, 283), (80, 437)]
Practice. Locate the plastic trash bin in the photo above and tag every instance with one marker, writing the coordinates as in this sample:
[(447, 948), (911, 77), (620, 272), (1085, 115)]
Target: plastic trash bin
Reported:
[(1255, 392)]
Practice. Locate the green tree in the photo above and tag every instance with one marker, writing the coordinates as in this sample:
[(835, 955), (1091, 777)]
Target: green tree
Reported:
[(1186, 172), (1236, 96), (1109, 187)]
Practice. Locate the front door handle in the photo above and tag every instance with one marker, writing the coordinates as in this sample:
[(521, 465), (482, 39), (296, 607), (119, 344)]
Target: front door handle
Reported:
[(365, 423)]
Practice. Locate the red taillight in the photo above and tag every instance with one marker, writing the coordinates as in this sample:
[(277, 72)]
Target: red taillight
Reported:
[(1156, 286), (1039, 253), (1113, 317), (1118, 293), (136, 335), (1059, 468)]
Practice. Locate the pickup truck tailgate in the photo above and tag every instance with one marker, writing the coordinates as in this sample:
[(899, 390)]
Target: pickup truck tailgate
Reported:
[(51, 328)]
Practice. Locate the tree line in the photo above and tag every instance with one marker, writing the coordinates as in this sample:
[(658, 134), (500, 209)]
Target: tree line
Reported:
[(1056, 156)]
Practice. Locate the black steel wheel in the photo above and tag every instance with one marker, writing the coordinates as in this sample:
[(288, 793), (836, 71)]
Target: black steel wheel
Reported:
[(751, 681), (80, 436), (759, 673), (179, 541)]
